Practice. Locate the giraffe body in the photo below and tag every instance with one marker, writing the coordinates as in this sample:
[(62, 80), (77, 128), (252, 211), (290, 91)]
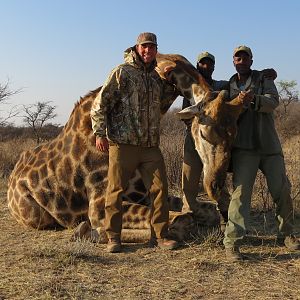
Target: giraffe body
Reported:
[(63, 182)]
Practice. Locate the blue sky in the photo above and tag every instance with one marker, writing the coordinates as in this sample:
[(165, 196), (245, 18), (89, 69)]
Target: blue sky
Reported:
[(59, 50)]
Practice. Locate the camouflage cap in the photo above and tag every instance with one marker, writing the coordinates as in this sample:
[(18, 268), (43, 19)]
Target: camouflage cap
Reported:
[(243, 48), (146, 38), (204, 55)]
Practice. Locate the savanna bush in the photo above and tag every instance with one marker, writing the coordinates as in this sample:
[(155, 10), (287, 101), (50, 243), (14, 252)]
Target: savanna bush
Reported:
[(10, 151), (172, 138)]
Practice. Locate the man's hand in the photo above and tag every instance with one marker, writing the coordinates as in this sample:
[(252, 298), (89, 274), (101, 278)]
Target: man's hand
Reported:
[(102, 144), (246, 97), (270, 74)]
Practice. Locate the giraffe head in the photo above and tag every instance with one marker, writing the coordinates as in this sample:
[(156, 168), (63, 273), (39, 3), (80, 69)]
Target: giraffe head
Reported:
[(214, 129), (188, 81), (185, 225), (181, 225)]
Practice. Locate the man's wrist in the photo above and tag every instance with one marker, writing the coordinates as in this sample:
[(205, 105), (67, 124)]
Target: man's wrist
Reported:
[(100, 136)]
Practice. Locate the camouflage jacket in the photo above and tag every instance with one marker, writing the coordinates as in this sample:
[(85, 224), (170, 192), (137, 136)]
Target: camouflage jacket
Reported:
[(128, 108), (256, 129)]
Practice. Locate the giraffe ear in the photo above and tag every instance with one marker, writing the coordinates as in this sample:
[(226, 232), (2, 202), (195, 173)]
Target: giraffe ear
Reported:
[(235, 107), (188, 112), (224, 94), (198, 94)]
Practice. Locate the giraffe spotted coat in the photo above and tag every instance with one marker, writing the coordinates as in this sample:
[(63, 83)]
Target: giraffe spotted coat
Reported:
[(63, 182)]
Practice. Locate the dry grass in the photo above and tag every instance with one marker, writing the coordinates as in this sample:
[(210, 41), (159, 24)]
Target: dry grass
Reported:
[(46, 265), (10, 152)]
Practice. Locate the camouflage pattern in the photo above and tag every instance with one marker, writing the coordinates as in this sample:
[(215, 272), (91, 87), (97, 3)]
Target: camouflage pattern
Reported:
[(205, 55), (128, 108), (243, 48)]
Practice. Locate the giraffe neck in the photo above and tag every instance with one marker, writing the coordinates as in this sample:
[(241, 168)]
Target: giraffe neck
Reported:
[(178, 70)]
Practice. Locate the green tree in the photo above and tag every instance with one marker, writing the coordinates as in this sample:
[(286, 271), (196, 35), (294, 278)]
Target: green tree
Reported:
[(37, 115), (5, 94), (287, 93)]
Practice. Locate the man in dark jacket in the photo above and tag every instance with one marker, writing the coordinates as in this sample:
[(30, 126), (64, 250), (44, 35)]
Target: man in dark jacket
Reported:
[(256, 147)]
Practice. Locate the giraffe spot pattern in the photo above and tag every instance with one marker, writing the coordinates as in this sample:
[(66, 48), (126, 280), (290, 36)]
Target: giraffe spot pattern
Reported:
[(78, 180), (54, 173), (78, 202)]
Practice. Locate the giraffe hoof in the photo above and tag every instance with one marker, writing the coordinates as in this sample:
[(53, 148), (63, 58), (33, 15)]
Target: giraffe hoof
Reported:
[(82, 232), (94, 236)]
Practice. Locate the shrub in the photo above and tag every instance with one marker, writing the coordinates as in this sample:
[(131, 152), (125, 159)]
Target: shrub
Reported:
[(10, 152)]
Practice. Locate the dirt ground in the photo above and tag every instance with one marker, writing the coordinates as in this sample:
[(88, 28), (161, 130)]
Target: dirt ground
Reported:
[(46, 265)]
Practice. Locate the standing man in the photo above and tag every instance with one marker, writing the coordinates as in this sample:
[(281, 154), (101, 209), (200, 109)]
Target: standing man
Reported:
[(126, 121), (192, 165), (256, 147)]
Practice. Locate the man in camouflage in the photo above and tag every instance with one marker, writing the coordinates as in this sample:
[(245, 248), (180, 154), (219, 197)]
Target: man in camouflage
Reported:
[(126, 121), (192, 165), (256, 146)]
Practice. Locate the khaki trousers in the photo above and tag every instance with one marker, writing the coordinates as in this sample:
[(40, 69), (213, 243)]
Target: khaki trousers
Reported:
[(191, 173), (245, 165), (123, 161)]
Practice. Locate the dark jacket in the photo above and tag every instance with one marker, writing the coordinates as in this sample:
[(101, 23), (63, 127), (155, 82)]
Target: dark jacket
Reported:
[(256, 129)]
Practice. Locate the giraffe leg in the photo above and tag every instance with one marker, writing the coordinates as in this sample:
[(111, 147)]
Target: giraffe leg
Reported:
[(30, 214), (181, 225), (135, 216), (93, 230), (84, 231)]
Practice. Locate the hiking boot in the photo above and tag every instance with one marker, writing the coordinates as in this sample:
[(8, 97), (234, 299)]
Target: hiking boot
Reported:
[(113, 246), (165, 244), (233, 254), (290, 242), (222, 227)]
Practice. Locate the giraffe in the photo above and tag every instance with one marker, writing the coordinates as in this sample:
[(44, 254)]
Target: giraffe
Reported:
[(214, 123), (214, 129), (62, 183)]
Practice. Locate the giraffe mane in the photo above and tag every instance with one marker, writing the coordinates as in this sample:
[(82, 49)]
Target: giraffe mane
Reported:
[(92, 93), (87, 96)]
